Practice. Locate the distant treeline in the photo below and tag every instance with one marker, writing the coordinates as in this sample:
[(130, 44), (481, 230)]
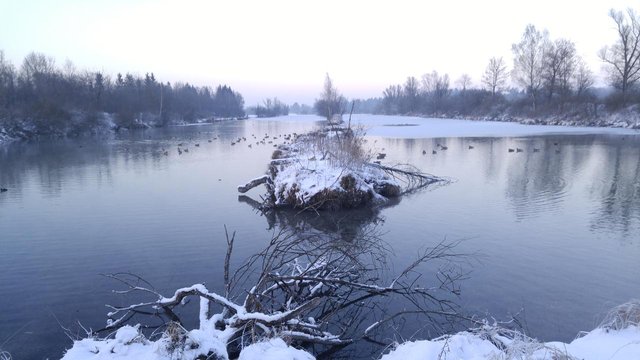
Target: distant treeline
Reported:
[(551, 81), (43, 98), (270, 108)]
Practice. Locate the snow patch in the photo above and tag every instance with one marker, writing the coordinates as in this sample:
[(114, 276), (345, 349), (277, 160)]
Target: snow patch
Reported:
[(599, 344), (274, 349)]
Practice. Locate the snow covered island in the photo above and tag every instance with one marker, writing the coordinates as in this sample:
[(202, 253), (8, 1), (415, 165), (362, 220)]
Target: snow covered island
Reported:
[(330, 169)]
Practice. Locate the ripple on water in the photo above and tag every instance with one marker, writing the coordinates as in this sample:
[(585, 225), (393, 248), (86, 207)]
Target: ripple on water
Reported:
[(531, 201)]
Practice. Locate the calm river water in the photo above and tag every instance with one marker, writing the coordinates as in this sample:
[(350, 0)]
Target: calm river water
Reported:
[(557, 231)]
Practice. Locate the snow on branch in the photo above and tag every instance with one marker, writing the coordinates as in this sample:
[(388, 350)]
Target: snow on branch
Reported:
[(305, 290)]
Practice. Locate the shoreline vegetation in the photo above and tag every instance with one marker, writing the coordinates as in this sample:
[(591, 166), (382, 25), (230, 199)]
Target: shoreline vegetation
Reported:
[(41, 98), (548, 83), (484, 343)]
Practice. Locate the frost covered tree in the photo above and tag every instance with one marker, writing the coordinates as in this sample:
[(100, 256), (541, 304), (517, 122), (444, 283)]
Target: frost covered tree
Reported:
[(623, 57), (331, 102), (495, 75), (528, 61)]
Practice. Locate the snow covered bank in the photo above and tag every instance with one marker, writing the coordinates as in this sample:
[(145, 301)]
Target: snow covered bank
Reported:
[(129, 344), (396, 127), (487, 344), (617, 338), (331, 170)]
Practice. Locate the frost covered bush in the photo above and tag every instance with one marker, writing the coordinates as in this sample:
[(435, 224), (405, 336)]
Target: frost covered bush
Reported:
[(493, 342), (622, 316), (342, 148)]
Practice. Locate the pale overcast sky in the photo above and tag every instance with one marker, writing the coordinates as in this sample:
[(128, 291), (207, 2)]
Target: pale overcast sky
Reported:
[(284, 48)]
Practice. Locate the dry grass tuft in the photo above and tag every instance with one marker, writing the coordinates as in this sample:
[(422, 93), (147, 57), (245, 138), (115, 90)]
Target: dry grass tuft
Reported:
[(622, 316)]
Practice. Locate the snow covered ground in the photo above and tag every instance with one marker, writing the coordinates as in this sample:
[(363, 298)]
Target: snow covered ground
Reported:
[(395, 126), (617, 338), (599, 344), (416, 127)]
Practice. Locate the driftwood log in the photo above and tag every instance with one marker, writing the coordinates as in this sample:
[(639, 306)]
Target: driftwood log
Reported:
[(253, 183)]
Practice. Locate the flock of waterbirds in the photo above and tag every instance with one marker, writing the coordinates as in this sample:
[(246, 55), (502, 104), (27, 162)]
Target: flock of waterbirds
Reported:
[(253, 140), (440, 147), (267, 139), (284, 139)]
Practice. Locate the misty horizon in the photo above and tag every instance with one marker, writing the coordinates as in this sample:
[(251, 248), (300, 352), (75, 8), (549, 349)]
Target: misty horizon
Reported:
[(280, 49)]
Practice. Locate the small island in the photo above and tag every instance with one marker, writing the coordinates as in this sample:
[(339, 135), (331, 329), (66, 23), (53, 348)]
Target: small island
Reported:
[(330, 169)]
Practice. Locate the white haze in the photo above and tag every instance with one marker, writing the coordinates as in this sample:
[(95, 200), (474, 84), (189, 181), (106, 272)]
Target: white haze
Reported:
[(284, 48)]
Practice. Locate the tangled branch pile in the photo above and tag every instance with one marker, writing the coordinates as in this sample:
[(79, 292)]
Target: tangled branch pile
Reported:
[(311, 293)]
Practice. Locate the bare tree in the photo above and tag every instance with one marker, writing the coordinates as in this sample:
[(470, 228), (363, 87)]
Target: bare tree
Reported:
[(528, 61), (435, 88), (35, 65), (582, 78), (569, 59), (558, 66), (411, 95), (391, 97), (495, 75), (463, 82), (331, 102), (623, 57), (7, 82)]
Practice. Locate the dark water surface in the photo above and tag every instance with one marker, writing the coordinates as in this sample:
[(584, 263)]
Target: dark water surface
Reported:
[(557, 230)]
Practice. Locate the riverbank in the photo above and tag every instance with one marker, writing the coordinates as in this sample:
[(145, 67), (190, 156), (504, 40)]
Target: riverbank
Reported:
[(73, 124), (491, 343), (627, 118), (618, 339), (82, 123)]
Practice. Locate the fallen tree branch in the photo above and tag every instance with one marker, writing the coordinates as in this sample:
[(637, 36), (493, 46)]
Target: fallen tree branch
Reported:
[(253, 183)]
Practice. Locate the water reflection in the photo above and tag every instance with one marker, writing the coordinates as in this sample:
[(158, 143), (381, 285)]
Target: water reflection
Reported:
[(550, 174), (344, 225), (619, 192), (535, 183)]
